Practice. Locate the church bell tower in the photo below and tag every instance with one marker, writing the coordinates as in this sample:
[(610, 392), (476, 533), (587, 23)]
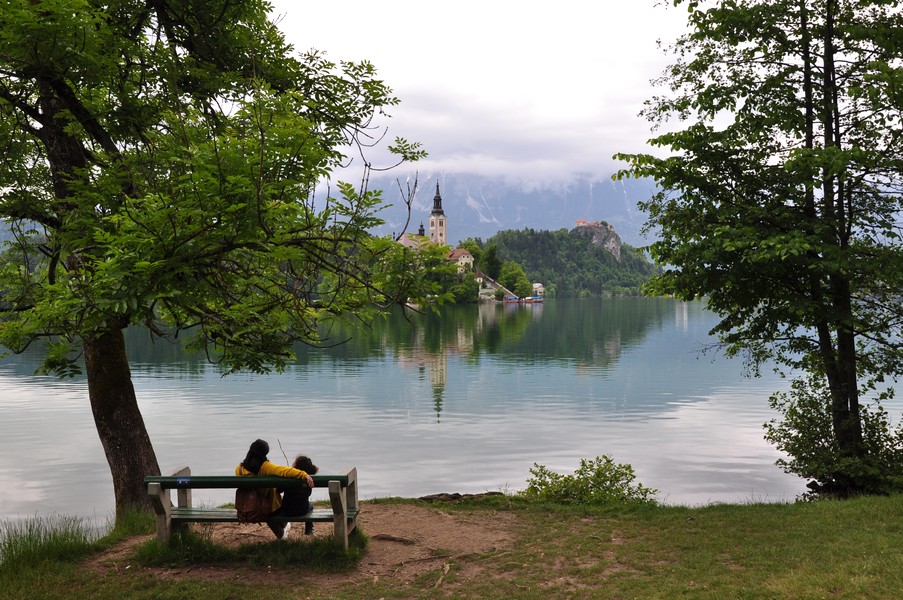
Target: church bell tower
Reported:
[(437, 221)]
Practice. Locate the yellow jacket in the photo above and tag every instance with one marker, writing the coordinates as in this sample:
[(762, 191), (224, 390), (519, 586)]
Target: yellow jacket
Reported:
[(268, 468)]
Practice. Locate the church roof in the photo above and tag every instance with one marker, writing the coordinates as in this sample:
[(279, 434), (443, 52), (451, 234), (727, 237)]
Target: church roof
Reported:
[(437, 202)]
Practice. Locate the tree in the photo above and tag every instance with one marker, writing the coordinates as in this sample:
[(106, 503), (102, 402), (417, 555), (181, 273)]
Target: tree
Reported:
[(465, 288), (492, 264), (780, 200), (158, 162), (515, 279)]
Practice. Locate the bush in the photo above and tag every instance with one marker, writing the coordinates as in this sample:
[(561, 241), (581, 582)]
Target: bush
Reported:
[(599, 481), (806, 435)]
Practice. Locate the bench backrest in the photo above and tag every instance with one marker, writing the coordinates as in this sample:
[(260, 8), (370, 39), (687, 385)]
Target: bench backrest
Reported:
[(233, 481)]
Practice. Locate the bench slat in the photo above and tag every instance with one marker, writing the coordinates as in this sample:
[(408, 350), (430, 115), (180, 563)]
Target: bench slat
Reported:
[(170, 482), (184, 514)]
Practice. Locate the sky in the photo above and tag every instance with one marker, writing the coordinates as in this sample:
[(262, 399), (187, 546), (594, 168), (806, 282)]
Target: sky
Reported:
[(531, 91)]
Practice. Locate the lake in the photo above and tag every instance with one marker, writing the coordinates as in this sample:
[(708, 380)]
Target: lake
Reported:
[(463, 401)]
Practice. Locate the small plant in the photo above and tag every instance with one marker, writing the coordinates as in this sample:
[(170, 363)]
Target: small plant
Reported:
[(598, 481)]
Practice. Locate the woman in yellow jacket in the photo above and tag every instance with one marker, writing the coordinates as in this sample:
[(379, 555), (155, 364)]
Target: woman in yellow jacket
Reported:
[(256, 463)]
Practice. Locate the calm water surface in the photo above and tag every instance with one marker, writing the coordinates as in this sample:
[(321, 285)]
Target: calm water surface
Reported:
[(464, 401)]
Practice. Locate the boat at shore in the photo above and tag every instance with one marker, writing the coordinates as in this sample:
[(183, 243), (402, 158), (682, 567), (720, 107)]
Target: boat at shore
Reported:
[(525, 300)]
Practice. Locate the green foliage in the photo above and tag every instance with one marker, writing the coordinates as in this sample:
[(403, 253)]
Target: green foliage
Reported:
[(569, 265), (805, 433), (491, 263), (466, 289), (189, 166), (512, 276), (780, 169), (598, 481)]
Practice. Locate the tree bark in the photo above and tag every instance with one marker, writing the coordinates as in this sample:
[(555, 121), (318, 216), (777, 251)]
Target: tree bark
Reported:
[(841, 370), (120, 425)]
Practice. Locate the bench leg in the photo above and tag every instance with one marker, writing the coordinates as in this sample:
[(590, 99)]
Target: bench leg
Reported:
[(159, 498), (339, 512), (162, 505), (351, 498)]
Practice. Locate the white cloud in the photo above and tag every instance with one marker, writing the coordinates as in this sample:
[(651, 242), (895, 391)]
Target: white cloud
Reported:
[(525, 90)]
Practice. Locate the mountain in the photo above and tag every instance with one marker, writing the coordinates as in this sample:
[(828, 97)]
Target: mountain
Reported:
[(479, 207)]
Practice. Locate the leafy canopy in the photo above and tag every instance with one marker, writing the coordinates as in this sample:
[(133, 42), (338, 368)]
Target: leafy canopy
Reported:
[(781, 178), (158, 165)]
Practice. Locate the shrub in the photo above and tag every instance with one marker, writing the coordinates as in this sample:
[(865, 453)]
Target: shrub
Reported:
[(805, 434), (598, 481)]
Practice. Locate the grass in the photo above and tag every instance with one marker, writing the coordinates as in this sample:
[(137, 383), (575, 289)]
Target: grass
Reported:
[(191, 549), (829, 549), (42, 540)]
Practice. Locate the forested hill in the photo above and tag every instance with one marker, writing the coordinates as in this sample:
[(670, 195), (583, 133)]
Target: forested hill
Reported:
[(589, 260)]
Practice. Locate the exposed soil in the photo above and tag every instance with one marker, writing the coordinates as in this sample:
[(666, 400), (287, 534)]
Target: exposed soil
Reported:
[(405, 541)]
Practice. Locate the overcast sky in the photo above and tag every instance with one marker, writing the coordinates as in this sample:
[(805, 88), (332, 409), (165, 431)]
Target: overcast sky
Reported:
[(538, 91)]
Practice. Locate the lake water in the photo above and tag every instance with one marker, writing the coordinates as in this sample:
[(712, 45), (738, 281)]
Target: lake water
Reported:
[(464, 401)]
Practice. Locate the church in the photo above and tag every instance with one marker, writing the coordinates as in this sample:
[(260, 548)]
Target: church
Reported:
[(438, 235)]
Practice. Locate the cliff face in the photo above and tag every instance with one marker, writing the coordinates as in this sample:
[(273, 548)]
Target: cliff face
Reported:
[(602, 234)]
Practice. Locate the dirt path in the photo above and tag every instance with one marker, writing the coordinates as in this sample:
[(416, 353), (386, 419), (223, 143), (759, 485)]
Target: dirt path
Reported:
[(405, 541)]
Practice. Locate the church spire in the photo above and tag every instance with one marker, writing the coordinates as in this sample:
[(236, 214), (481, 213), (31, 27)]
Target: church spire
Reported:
[(438, 234), (437, 202)]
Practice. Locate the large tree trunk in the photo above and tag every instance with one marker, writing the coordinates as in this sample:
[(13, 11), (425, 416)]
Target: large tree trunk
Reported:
[(841, 371), (119, 422), (116, 415)]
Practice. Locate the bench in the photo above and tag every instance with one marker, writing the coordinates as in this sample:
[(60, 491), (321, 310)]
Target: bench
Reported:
[(342, 489)]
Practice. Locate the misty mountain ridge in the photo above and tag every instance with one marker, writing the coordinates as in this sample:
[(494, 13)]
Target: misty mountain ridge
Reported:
[(478, 206)]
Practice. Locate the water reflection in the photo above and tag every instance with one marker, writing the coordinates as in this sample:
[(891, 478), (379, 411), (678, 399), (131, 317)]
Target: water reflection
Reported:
[(412, 398)]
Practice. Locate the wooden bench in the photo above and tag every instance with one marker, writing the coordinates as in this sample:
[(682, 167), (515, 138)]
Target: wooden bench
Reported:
[(342, 489)]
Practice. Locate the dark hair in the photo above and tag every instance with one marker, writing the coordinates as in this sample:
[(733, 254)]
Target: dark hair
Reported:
[(303, 463), (257, 455)]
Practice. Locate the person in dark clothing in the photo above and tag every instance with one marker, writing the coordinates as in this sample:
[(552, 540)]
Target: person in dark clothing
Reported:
[(256, 463), (296, 502)]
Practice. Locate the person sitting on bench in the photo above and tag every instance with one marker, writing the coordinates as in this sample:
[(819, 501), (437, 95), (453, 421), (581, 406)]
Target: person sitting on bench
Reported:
[(296, 502), (256, 463)]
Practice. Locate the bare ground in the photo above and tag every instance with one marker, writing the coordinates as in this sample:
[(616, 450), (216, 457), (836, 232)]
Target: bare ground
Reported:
[(405, 542)]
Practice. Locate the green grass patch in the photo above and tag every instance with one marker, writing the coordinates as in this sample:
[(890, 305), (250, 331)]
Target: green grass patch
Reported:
[(31, 543), (828, 549), (190, 548)]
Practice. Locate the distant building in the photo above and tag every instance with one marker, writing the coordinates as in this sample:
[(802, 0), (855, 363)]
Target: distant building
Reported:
[(438, 231), (438, 235), (414, 240), (463, 257)]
